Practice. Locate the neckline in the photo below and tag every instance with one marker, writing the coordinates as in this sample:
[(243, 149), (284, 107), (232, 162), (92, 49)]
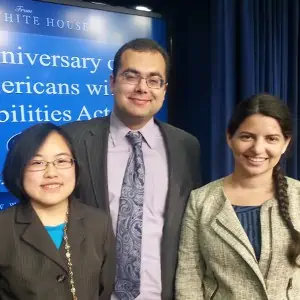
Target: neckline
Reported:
[(55, 227), (222, 180)]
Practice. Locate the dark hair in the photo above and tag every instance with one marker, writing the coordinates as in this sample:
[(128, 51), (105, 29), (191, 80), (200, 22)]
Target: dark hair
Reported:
[(21, 152), (273, 107), (140, 45)]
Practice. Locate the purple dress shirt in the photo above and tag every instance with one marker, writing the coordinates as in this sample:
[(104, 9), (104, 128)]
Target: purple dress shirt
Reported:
[(156, 187)]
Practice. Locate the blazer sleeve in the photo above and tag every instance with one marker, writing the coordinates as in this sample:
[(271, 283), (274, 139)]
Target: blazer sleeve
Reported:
[(190, 267), (7, 249), (108, 271)]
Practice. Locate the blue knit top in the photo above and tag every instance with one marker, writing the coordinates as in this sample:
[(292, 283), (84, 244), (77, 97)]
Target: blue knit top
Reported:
[(249, 217)]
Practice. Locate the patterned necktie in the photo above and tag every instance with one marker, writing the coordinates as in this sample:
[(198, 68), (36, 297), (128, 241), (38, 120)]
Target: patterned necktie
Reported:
[(130, 221)]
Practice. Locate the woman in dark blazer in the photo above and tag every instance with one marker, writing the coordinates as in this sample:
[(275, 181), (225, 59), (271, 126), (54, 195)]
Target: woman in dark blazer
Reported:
[(53, 247)]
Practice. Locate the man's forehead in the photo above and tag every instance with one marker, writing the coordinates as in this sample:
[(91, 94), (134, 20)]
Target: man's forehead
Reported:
[(146, 61), (132, 53)]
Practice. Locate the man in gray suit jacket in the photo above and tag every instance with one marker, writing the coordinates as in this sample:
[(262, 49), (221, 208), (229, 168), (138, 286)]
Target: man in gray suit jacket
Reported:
[(170, 163)]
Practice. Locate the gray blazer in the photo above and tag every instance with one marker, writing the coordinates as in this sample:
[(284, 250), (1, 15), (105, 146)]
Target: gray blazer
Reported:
[(31, 268), (216, 259), (91, 143)]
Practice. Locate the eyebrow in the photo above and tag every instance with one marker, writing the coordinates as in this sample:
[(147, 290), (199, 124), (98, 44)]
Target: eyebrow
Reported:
[(246, 132), (59, 154), (251, 133), (137, 72), (275, 134)]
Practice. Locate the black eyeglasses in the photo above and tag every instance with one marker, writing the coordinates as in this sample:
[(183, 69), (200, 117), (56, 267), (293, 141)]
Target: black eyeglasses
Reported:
[(153, 82), (41, 165)]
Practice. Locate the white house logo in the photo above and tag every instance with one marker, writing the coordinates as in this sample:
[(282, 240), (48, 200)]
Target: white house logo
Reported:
[(24, 16), (11, 141), (21, 9)]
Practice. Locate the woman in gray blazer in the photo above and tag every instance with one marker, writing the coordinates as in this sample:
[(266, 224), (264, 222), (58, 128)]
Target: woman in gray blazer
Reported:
[(52, 246), (240, 234)]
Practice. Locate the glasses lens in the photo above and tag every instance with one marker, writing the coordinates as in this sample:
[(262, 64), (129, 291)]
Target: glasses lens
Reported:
[(36, 165), (39, 165), (154, 82), (131, 78), (63, 163)]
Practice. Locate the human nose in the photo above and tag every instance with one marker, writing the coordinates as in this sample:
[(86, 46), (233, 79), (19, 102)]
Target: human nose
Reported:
[(50, 170), (258, 146), (142, 85)]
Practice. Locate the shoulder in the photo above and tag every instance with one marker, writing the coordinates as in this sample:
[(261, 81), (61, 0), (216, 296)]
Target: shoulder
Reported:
[(79, 125), (94, 212), (293, 188), (97, 223), (80, 128), (92, 215), (7, 227), (205, 203), (209, 190), (186, 140), (294, 201), (7, 214), (180, 133), (206, 195), (7, 222), (293, 183)]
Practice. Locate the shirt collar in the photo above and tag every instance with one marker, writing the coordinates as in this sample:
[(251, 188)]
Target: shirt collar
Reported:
[(118, 131)]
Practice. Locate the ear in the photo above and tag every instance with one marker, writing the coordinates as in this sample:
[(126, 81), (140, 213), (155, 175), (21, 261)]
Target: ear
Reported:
[(165, 88), (287, 142), (229, 140), (112, 82)]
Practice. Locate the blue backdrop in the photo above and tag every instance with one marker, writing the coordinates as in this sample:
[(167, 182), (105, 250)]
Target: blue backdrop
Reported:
[(55, 62), (224, 52)]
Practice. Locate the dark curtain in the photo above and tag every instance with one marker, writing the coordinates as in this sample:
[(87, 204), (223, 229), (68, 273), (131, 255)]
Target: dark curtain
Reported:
[(252, 46)]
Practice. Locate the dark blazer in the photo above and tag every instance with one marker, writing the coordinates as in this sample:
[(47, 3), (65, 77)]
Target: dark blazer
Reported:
[(31, 268), (183, 151)]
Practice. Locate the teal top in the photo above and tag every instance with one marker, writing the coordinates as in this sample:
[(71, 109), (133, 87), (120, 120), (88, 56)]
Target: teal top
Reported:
[(56, 233)]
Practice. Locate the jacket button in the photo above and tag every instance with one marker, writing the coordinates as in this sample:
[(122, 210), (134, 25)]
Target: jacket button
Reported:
[(60, 278)]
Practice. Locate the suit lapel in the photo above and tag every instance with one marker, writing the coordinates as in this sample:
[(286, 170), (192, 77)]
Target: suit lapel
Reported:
[(268, 233), (228, 227), (96, 150), (34, 234), (175, 182), (175, 205)]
